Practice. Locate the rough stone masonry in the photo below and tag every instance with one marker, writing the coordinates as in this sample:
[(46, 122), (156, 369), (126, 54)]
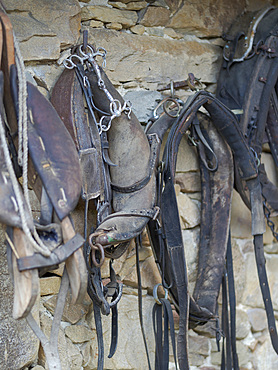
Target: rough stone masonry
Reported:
[(148, 44)]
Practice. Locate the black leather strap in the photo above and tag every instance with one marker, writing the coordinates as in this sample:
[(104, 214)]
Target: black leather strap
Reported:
[(157, 328), (168, 311), (114, 331), (98, 323), (177, 259), (260, 260), (162, 319), (226, 124), (226, 348), (140, 310), (57, 256), (232, 303)]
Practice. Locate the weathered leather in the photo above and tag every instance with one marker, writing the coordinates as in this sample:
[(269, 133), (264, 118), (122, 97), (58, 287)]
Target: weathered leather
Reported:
[(59, 254), (127, 143), (49, 167), (243, 30), (216, 198), (212, 255), (67, 98), (250, 87), (57, 165), (117, 170), (132, 175), (9, 214)]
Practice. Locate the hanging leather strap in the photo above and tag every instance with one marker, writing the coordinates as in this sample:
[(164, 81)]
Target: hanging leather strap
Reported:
[(227, 125), (232, 303), (176, 253), (260, 260), (162, 319), (98, 323), (140, 310), (226, 363)]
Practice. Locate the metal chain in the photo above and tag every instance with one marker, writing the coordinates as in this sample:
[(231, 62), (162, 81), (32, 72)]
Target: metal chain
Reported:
[(115, 107), (269, 222)]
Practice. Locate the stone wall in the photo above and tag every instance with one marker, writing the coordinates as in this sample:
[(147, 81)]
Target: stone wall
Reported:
[(148, 44)]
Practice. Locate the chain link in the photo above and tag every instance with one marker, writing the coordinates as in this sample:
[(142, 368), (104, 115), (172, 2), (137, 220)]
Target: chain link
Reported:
[(115, 106), (269, 222)]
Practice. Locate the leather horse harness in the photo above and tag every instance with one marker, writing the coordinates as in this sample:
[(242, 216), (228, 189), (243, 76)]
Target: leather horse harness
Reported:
[(233, 135), (31, 128), (115, 165)]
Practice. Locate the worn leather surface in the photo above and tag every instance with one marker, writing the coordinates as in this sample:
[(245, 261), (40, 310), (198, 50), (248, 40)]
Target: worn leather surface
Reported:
[(249, 86), (53, 153), (244, 30), (216, 199), (224, 136), (129, 150), (9, 213), (67, 98)]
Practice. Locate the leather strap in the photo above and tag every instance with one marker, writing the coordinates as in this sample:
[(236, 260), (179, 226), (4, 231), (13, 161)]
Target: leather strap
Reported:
[(114, 331), (226, 348), (227, 125), (214, 212), (232, 303), (98, 323), (163, 318), (211, 161), (157, 328), (176, 253), (140, 310), (271, 126), (260, 260), (57, 256)]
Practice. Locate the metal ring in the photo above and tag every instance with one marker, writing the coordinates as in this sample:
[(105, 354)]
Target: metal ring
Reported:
[(90, 239), (168, 111), (68, 63), (93, 255), (91, 49), (155, 114), (155, 293)]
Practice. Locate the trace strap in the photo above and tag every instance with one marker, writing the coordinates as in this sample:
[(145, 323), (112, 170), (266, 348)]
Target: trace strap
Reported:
[(162, 311)]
